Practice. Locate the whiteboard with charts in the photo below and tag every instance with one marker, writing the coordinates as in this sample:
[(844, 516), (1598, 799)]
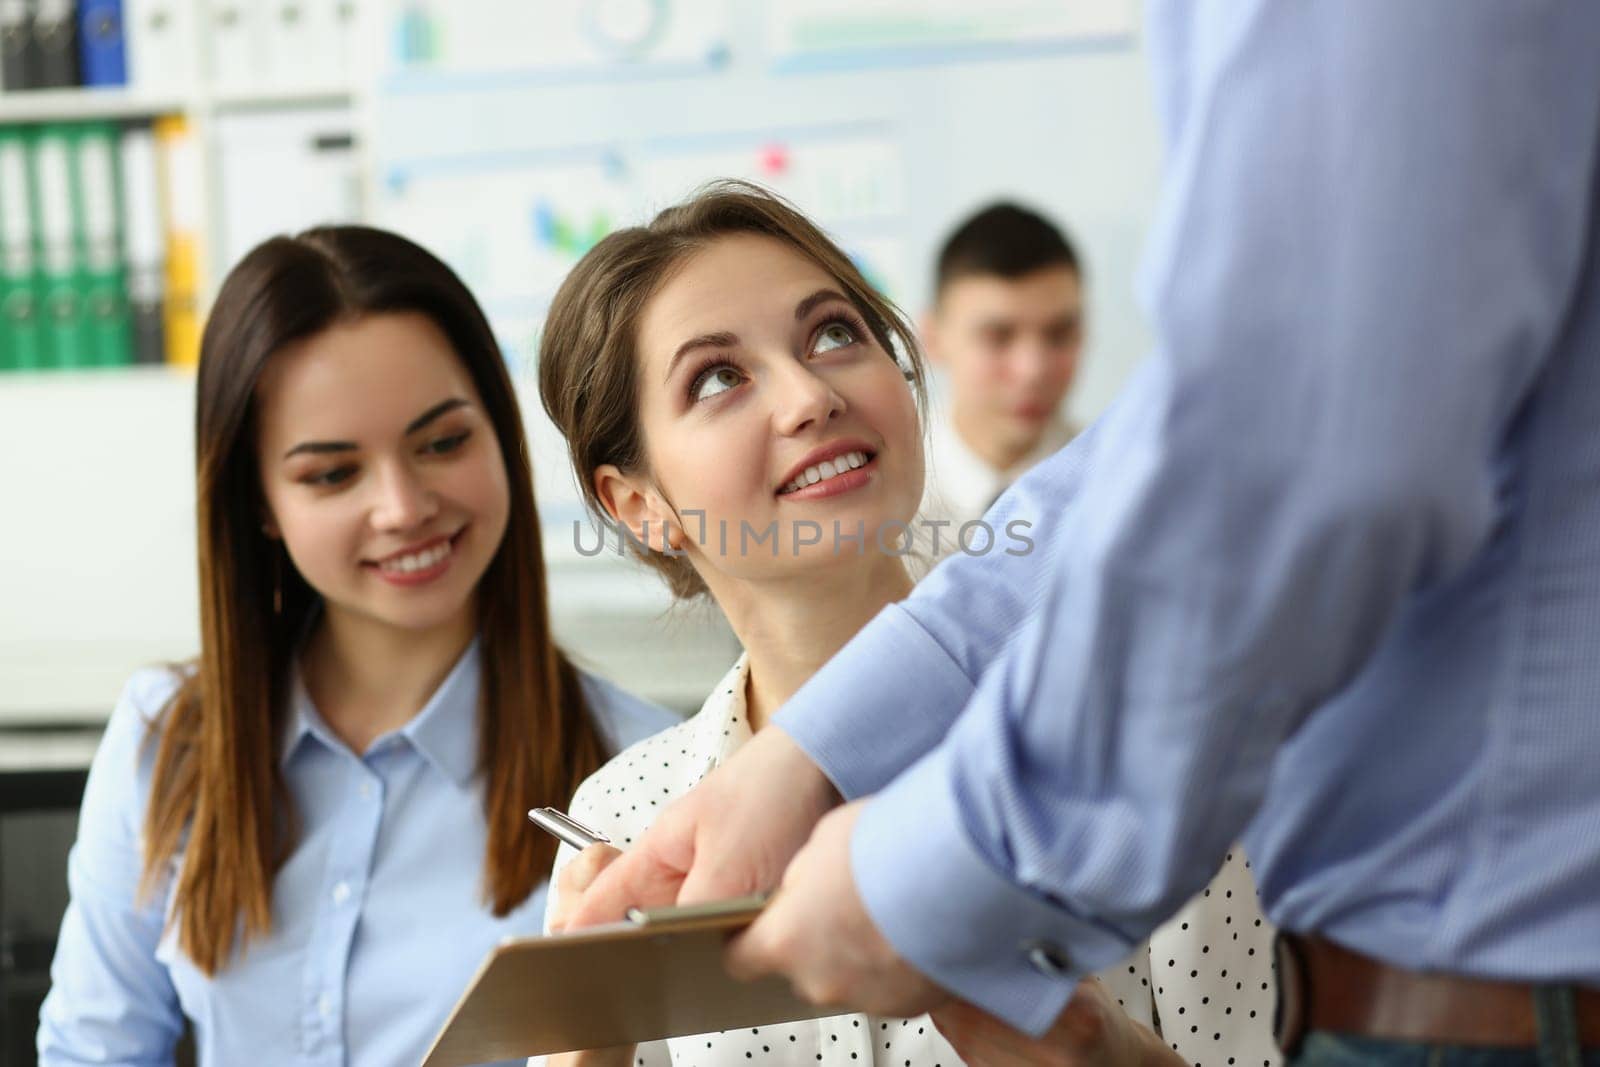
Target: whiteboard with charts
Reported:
[(511, 136)]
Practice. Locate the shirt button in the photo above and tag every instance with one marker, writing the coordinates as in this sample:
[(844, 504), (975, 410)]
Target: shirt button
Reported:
[(1047, 959), (366, 790), (341, 892), (325, 1005)]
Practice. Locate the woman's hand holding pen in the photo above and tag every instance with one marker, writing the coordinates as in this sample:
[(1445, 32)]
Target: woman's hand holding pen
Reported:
[(575, 878), (730, 836)]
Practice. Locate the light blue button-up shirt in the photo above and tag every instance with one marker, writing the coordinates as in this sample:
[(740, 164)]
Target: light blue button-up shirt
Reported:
[(378, 915), (1328, 573)]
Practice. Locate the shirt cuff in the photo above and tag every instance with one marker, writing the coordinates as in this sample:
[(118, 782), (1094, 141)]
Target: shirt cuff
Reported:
[(949, 913), (839, 717)]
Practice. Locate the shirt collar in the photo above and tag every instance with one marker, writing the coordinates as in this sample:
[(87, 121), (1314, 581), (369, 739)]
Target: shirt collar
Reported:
[(724, 721), (967, 480), (959, 474), (445, 731)]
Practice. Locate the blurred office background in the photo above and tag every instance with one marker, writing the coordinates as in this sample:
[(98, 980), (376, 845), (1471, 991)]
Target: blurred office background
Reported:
[(145, 145)]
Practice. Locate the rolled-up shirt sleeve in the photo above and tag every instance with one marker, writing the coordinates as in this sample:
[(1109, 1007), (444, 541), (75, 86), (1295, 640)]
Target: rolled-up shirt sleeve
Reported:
[(1375, 221)]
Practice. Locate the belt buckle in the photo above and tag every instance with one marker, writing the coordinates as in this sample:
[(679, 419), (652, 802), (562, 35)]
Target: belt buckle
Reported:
[(1293, 994)]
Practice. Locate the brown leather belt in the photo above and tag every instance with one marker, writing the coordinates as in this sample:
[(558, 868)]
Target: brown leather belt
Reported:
[(1322, 986)]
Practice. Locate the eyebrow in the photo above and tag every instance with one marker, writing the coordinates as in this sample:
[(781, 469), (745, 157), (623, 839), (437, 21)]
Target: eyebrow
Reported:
[(821, 296), (997, 323), (321, 448), (724, 339)]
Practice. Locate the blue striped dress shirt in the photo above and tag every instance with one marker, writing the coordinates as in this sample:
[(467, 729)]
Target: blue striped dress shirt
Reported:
[(1326, 576)]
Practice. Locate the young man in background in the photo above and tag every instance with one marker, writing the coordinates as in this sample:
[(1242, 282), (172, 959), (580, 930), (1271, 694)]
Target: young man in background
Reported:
[(1006, 329)]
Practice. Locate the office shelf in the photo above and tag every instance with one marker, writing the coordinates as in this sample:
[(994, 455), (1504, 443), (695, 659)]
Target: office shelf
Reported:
[(85, 104), (68, 105)]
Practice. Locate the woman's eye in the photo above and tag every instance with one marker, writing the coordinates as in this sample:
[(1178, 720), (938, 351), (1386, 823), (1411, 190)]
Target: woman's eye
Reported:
[(714, 381), (832, 336), (446, 445), (330, 478)]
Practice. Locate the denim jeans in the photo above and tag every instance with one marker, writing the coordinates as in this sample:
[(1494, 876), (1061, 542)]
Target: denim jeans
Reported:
[(1558, 1046)]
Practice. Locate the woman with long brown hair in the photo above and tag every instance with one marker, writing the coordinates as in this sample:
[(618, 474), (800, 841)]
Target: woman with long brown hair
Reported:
[(738, 398), (305, 840)]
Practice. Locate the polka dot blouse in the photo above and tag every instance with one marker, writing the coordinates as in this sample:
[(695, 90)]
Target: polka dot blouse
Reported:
[(1207, 975), (1213, 983)]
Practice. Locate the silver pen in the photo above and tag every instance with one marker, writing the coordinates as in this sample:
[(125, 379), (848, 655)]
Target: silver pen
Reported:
[(568, 829)]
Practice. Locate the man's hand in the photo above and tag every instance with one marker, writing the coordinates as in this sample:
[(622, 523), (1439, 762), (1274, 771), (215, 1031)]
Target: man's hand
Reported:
[(729, 836), (1092, 1031), (818, 934)]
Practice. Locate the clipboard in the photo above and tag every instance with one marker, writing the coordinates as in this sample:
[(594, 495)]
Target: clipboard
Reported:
[(657, 975)]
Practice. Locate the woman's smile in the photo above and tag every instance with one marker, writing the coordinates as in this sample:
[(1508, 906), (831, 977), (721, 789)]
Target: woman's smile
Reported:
[(418, 564), (850, 471)]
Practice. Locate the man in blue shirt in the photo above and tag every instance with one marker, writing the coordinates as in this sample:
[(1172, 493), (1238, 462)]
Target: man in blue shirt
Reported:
[(1326, 578)]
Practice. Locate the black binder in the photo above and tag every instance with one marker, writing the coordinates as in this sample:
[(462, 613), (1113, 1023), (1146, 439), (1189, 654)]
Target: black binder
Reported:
[(55, 43), (16, 44)]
